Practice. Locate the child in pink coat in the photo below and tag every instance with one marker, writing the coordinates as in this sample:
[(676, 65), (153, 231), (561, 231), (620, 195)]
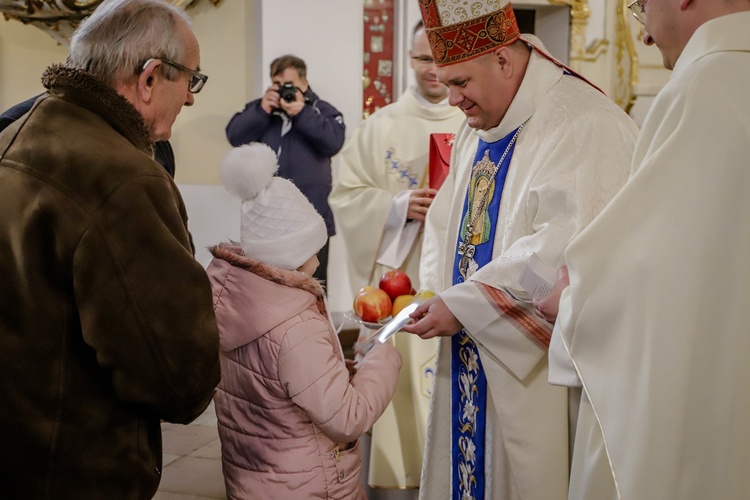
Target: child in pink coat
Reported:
[(289, 412)]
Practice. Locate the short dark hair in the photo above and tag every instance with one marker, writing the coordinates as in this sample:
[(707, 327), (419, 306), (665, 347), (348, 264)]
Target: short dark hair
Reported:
[(419, 26), (280, 64)]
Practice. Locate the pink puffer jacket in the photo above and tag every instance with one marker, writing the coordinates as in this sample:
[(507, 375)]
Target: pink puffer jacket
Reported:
[(289, 418)]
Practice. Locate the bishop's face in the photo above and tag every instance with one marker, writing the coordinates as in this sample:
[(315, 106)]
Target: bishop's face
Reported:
[(479, 89)]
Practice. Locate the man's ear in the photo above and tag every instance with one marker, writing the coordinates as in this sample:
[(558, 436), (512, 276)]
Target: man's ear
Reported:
[(147, 80), (503, 58)]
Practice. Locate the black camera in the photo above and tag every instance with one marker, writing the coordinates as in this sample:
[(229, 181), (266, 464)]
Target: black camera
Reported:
[(288, 92)]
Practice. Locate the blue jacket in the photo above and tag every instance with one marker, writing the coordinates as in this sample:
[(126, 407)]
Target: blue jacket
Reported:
[(304, 152)]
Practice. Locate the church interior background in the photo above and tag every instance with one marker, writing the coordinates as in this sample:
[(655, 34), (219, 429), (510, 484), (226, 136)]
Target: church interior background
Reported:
[(598, 38), (355, 53)]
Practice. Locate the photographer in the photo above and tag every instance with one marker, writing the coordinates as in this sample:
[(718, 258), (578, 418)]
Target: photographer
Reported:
[(303, 130)]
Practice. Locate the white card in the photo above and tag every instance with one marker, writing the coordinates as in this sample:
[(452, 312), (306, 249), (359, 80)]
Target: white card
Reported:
[(537, 278)]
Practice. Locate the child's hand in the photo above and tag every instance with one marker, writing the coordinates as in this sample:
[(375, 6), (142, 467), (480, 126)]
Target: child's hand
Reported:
[(363, 345), (351, 367)]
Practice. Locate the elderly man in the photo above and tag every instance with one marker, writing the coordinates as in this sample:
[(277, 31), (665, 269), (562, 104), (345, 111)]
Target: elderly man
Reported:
[(656, 317), (383, 181), (106, 319), (541, 153)]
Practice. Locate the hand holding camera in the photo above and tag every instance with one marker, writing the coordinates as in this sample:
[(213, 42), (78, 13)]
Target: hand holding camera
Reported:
[(270, 99), (286, 97), (291, 99)]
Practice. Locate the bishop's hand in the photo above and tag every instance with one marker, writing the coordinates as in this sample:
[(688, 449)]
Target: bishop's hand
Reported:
[(433, 319)]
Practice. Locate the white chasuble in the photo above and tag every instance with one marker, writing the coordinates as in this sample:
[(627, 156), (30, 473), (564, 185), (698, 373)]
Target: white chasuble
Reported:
[(571, 157)]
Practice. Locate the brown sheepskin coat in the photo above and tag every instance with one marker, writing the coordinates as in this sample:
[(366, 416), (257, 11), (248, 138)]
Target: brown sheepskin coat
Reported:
[(106, 320)]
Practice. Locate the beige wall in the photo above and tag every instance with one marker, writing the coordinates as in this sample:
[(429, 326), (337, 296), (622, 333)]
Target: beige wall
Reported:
[(25, 52), (227, 56)]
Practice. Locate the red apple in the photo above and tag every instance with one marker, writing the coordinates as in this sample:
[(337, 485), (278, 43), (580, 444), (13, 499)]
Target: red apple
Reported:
[(364, 289), (395, 283), (372, 304)]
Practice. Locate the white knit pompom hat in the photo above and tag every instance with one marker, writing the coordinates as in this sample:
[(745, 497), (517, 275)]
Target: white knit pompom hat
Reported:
[(279, 225)]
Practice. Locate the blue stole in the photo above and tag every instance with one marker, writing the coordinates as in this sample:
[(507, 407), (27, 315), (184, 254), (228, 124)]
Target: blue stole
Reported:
[(468, 382)]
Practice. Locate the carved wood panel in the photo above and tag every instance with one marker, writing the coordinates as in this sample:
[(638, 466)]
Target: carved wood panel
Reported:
[(60, 18)]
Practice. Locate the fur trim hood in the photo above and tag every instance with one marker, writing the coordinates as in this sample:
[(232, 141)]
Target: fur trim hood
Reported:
[(295, 279), (252, 298), (84, 89)]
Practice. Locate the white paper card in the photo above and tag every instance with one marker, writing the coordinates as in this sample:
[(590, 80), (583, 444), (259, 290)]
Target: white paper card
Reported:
[(398, 235), (537, 278)]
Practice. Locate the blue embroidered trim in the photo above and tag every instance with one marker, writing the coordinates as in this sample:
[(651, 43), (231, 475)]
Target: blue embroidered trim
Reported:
[(394, 164), (469, 384)]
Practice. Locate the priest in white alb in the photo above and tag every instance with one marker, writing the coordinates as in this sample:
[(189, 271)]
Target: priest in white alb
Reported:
[(379, 203)]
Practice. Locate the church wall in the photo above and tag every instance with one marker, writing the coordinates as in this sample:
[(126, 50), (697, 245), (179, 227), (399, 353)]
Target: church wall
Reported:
[(25, 51)]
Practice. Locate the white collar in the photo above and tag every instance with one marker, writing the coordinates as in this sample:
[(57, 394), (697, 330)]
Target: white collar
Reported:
[(424, 102), (723, 33), (540, 76)]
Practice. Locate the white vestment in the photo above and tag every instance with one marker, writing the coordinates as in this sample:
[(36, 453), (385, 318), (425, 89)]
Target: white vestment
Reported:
[(657, 315), (385, 159), (571, 157), (386, 156)]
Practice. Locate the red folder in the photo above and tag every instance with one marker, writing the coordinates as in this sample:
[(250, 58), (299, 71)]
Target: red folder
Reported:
[(440, 158)]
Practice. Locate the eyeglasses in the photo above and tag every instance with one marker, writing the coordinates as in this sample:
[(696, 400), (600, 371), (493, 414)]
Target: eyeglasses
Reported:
[(423, 60), (636, 7), (197, 80)]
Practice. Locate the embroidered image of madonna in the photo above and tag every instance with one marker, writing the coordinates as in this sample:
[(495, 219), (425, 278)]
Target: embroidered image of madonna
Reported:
[(481, 190)]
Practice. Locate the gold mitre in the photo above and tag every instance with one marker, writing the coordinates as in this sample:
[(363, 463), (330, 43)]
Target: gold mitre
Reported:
[(459, 30)]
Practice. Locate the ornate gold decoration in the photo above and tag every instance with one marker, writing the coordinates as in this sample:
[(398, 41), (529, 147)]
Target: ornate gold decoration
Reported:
[(59, 18), (579, 19), (596, 50), (627, 75)]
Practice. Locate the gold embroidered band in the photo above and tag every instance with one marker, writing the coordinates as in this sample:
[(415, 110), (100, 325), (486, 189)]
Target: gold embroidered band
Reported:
[(470, 37)]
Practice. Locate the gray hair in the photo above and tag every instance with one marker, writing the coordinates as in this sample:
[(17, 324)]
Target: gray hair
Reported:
[(117, 39)]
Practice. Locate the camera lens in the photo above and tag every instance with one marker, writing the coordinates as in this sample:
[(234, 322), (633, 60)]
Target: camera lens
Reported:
[(288, 92)]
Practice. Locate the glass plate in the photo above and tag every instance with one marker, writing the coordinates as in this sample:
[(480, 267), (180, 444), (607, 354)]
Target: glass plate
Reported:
[(352, 316)]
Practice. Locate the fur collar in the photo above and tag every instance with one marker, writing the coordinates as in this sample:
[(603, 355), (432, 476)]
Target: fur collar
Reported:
[(84, 89), (294, 279)]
